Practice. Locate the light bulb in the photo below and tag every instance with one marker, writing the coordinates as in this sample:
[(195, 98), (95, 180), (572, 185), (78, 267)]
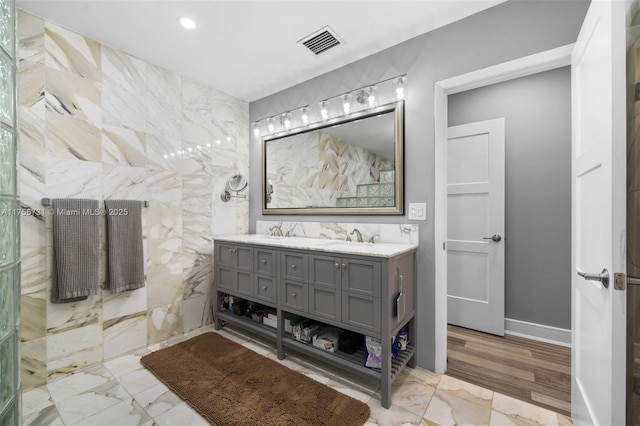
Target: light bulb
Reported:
[(272, 126), (399, 86), (256, 130), (305, 116), (371, 96), (324, 112), (286, 120), (346, 103)]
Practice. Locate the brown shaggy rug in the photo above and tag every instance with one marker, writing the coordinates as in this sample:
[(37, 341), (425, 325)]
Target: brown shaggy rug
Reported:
[(229, 384)]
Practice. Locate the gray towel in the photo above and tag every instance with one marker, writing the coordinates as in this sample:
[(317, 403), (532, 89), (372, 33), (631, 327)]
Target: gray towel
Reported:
[(124, 250), (76, 249)]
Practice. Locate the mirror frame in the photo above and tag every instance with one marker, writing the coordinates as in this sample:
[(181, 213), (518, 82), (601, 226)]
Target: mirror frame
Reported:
[(397, 209)]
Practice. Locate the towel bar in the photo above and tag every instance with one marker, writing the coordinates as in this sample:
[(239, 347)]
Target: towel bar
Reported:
[(47, 202)]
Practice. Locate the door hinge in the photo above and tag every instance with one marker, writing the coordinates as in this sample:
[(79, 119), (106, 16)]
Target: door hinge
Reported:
[(620, 281), (444, 246)]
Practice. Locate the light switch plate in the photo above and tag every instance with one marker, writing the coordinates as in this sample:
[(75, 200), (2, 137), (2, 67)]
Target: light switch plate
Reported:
[(417, 211)]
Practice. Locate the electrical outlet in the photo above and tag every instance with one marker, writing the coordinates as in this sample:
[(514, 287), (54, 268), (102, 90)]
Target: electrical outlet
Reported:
[(417, 211)]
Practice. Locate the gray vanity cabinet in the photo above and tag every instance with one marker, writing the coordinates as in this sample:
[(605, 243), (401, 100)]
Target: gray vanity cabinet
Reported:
[(370, 294), (234, 268)]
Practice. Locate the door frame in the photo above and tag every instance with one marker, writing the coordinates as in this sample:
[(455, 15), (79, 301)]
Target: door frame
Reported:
[(522, 67)]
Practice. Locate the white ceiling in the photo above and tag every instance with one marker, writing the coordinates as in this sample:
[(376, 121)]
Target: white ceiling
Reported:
[(249, 49)]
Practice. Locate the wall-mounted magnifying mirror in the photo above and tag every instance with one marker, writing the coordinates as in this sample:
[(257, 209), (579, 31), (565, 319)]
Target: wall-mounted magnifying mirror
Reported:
[(236, 183)]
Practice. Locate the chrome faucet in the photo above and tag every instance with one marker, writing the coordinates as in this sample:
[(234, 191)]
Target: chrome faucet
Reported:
[(276, 231), (358, 234)]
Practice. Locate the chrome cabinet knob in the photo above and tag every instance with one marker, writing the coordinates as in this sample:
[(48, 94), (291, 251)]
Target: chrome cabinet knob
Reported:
[(337, 265), (293, 266), (293, 295), (264, 287), (264, 262)]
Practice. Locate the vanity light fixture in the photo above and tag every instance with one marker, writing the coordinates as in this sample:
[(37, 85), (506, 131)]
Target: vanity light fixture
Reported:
[(188, 23), (393, 89), (324, 110)]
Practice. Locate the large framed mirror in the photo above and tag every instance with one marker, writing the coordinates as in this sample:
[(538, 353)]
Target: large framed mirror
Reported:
[(346, 165)]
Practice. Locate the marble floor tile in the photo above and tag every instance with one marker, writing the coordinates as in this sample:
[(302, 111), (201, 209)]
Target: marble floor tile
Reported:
[(123, 392), (411, 393), (447, 408), (83, 406), (125, 413), (520, 413), (181, 415), (157, 399)]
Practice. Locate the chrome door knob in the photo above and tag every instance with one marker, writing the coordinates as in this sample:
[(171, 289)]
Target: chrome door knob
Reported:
[(495, 238)]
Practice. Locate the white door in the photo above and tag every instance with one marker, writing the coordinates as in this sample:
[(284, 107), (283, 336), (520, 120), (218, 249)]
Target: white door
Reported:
[(475, 226), (598, 210)]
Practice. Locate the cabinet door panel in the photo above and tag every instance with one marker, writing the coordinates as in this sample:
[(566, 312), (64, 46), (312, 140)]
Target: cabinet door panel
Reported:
[(244, 258), (324, 302), (265, 288), (226, 279), (265, 262), (294, 266), (325, 271), (245, 283), (294, 295), (361, 312), (361, 277)]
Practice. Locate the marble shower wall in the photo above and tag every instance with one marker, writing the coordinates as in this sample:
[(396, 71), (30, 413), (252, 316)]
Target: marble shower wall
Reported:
[(315, 169), (98, 123)]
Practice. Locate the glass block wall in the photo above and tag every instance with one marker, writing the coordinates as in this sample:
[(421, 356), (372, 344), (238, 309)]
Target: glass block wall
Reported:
[(10, 395)]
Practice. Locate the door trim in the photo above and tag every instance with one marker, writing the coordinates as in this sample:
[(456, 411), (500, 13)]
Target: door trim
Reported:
[(528, 65)]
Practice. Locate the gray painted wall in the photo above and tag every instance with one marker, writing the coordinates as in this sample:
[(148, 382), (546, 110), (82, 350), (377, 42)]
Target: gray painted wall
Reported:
[(508, 31), (537, 111)]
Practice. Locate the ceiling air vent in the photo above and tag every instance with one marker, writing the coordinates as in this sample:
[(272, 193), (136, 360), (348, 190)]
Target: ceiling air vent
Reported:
[(321, 41)]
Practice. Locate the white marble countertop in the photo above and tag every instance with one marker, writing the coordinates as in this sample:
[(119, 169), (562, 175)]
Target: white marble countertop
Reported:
[(321, 244)]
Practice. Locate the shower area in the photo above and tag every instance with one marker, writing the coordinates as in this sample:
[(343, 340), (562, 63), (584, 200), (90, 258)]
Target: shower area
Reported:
[(10, 400)]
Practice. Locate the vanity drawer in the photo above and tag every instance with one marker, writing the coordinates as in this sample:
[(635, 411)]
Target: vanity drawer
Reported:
[(293, 266), (294, 295), (265, 262), (265, 288)]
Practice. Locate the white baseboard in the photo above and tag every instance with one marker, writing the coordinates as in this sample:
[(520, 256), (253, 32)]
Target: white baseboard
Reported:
[(543, 333)]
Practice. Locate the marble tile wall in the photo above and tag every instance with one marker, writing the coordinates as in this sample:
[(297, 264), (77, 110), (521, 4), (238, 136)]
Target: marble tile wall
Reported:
[(98, 123), (315, 169)]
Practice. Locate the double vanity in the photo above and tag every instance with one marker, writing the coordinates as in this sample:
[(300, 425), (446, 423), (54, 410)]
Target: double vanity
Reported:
[(367, 288)]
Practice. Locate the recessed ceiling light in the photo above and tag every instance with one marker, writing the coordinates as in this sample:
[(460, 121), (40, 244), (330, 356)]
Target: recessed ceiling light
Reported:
[(187, 23)]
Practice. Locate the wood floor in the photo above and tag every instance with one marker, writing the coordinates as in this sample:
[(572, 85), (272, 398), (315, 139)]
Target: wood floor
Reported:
[(532, 371)]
